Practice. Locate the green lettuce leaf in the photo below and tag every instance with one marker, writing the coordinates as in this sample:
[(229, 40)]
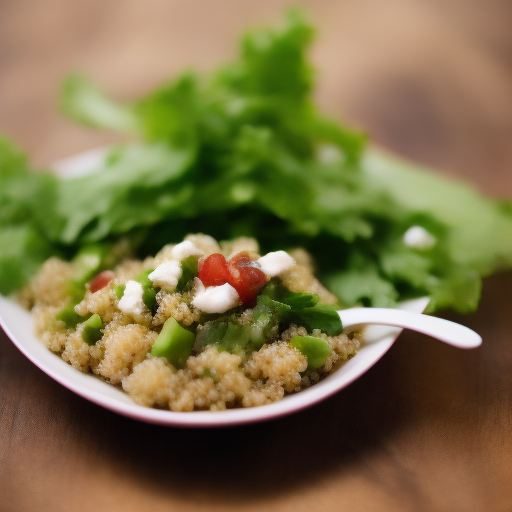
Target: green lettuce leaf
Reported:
[(245, 151), (23, 250), (480, 230), (82, 101)]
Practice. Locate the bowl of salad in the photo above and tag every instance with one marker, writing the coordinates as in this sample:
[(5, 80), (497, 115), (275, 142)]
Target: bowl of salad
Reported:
[(197, 268)]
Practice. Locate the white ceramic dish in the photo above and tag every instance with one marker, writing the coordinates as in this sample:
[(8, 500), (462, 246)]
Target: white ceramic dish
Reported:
[(18, 325)]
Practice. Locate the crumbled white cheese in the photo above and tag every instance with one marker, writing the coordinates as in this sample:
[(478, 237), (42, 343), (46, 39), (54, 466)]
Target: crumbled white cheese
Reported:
[(131, 302), (166, 275), (215, 299), (329, 154), (185, 249), (275, 263), (419, 238)]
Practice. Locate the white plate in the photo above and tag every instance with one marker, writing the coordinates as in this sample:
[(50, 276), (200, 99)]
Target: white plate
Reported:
[(18, 324)]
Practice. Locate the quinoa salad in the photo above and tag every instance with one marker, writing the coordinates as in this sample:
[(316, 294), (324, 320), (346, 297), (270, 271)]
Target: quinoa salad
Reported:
[(202, 325)]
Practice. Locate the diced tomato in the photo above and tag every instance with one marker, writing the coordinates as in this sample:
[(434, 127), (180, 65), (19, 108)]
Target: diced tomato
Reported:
[(240, 272), (246, 278), (242, 259), (248, 282), (213, 271), (101, 280)]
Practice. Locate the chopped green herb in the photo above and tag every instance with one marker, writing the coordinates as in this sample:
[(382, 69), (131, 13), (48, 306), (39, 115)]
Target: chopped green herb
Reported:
[(92, 329), (322, 316), (299, 301)]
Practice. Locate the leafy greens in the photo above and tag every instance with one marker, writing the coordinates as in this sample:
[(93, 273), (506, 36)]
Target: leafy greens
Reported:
[(245, 151)]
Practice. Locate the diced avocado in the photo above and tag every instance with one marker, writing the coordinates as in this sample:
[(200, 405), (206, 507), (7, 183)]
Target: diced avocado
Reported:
[(69, 316), (322, 316), (148, 292), (174, 343), (188, 272), (316, 350), (92, 329)]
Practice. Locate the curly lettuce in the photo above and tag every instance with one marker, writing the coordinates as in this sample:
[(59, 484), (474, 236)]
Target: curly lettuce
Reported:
[(244, 151)]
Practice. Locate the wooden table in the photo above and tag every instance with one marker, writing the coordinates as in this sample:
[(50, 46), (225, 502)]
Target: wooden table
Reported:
[(427, 429)]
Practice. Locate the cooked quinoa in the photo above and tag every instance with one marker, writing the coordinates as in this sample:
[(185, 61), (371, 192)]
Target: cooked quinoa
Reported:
[(212, 377)]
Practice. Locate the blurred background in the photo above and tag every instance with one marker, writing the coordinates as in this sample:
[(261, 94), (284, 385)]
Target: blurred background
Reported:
[(429, 79)]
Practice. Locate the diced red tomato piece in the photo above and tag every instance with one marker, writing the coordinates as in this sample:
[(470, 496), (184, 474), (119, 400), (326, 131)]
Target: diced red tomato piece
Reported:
[(242, 259), (101, 280), (246, 278), (213, 271), (248, 282), (240, 272)]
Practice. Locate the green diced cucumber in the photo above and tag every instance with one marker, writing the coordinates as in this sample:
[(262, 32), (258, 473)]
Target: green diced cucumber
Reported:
[(322, 316), (76, 290), (92, 329), (188, 272), (149, 298), (119, 291), (87, 263), (316, 350), (266, 314), (233, 337), (260, 328), (143, 278), (174, 343), (69, 316), (148, 292)]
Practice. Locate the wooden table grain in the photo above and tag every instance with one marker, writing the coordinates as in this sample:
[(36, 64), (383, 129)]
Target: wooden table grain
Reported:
[(429, 428)]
